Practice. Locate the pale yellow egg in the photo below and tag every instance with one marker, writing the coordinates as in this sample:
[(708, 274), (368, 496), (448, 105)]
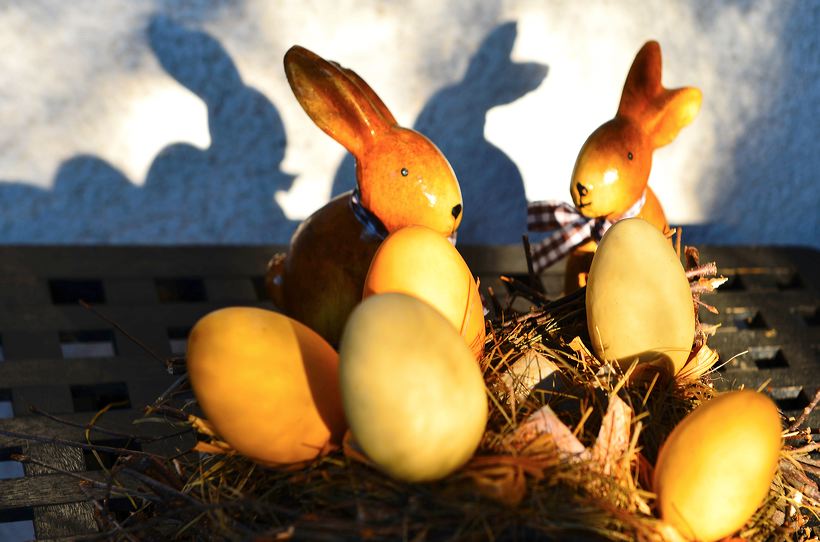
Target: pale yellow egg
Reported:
[(639, 306), (412, 391)]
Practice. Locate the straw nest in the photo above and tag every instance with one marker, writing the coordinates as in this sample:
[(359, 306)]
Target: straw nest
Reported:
[(567, 454)]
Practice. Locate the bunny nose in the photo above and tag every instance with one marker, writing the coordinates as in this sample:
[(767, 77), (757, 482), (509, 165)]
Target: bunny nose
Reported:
[(582, 190), (456, 210)]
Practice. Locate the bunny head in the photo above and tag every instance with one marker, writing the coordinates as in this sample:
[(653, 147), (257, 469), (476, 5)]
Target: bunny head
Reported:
[(403, 178), (613, 166)]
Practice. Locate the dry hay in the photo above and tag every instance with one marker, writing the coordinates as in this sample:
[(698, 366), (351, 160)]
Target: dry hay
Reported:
[(570, 458)]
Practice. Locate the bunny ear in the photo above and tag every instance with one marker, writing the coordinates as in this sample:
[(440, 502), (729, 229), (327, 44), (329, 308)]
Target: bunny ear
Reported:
[(371, 95), (659, 111), (643, 82), (333, 100), (676, 108)]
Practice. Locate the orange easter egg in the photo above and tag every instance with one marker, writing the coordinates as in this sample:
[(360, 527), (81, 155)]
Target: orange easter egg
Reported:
[(268, 384), (716, 467), (422, 263)]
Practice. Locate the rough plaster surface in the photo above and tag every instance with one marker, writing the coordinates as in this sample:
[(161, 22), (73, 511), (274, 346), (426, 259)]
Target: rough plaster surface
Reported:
[(171, 122)]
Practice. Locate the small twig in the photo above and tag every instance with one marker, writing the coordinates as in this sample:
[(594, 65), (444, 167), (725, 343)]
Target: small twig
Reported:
[(800, 480), (197, 508), (171, 389), (708, 307), (103, 511), (707, 286), (95, 427), (122, 330), (705, 270), (573, 314), (162, 490), (85, 426), (678, 239), (168, 411), (807, 461), (520, 318), (143, 524), (807, 449), (806, 411), (707, 329), (811, 469), (74, 444), (22, 458), (176, 365), (566, 300), (523, 288), (535, 283), (494, 302)]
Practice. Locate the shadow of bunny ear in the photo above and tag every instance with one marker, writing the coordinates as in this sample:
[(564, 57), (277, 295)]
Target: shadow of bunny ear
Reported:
[(493, 71), (195, 59)]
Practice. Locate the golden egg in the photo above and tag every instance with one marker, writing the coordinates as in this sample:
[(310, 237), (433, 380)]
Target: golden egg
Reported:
[(268, 384), (717, 465), (412, 391), (422, 263), (639, 306)]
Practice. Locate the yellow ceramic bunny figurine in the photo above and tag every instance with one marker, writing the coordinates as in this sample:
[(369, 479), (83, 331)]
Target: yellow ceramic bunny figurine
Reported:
[(610, 178), (402, 179)]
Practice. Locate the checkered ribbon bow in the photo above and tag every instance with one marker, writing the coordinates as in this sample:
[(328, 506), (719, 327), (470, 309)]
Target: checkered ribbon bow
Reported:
[(574, 229)]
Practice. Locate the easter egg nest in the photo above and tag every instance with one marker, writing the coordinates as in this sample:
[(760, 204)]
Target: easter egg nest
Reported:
[(567, 454)]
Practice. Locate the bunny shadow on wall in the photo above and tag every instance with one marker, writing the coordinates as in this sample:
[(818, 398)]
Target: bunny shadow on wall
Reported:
[(221, 194), (90, 201), (225, 192), (491, 186)]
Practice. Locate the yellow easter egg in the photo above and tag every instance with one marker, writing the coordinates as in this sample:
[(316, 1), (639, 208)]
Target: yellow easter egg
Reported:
[(717, 465), (412, 391), (639, 306), (268, 384), (422, 263)]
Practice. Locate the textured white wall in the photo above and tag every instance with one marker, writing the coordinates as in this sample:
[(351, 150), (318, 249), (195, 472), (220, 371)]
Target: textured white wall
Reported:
[(164, 121)]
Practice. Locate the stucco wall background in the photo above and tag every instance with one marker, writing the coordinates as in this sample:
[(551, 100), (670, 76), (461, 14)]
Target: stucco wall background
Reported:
[(166, 121)]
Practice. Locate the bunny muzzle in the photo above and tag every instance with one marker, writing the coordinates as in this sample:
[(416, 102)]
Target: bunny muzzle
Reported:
[(612, 169)]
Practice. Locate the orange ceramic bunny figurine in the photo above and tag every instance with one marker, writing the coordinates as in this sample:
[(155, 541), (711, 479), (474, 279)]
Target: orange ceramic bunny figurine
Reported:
[(402, 180), (609, 181)]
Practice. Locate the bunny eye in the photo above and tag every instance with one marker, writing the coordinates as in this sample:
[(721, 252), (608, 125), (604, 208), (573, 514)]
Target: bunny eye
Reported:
[(404, 172), (629, 155)]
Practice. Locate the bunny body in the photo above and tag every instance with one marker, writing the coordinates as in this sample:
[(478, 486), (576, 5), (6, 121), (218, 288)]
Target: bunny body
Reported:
[(613, 166), (402, 179), (319, 280)]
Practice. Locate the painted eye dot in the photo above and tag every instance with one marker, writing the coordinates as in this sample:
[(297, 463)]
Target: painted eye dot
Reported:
[(629, 155), (404, 172)]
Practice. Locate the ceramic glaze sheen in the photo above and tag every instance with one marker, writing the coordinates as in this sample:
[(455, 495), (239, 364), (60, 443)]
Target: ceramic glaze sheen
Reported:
[(612, 169), (402, 177)]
